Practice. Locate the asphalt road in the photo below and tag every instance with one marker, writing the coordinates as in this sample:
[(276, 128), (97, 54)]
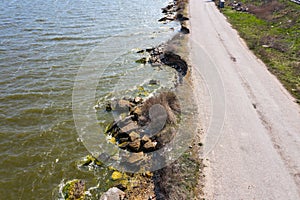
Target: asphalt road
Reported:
[(251, 124)]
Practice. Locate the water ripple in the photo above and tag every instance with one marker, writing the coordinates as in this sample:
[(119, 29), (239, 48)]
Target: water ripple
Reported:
[(43, 44)]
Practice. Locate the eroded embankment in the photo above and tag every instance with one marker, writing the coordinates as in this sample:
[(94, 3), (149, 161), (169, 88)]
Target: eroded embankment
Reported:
[(183, 179), (147, 124)]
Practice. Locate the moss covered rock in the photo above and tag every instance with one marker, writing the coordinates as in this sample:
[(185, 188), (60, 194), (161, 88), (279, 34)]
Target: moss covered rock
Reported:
[(74, 190), (116, 175)]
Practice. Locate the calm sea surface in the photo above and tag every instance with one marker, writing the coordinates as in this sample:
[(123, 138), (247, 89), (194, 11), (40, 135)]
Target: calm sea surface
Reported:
[(43, 43)]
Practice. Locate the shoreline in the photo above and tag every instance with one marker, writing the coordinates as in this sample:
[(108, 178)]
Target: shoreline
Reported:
[(183, 178), (179, 180)]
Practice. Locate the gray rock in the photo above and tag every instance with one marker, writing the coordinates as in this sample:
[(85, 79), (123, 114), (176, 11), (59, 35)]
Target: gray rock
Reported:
[(135, 157), (113, 194), (129, 127), (153, 82), (174, 60), (184, 30), (142, 120)]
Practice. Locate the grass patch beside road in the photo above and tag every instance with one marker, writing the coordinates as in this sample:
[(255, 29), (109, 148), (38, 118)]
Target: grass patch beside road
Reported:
[(272, 32)]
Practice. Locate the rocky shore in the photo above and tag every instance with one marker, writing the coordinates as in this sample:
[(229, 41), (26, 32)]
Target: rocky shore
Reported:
[(135, 132), (146, 124)]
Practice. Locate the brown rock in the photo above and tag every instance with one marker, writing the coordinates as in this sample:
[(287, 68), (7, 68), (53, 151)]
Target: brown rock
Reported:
[(137, 110), (124, 104), (134, 136), (135, 145), (148, 146), (145, 139), (138, 100)]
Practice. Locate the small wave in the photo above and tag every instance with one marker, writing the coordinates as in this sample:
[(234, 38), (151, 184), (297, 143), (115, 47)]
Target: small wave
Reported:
[(32, 29), (78, 26), (40, 20), (65, 38), (50, 34), (19, 96), (45, 111), (68, 38)]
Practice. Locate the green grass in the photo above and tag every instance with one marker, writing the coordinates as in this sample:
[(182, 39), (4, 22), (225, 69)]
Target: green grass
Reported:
[(280, 31)]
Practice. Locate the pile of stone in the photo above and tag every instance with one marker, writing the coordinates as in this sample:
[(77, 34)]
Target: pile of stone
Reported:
[(157, 57), (238, 6), (172, 12), (146, 127)]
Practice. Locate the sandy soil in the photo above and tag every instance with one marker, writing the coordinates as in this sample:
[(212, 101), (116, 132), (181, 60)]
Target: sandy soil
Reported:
[(251, 123)]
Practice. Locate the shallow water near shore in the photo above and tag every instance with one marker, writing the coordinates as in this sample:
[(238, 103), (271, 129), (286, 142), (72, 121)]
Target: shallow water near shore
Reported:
[(43, 44)]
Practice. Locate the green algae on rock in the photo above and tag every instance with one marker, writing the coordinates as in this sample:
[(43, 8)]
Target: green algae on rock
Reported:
[(74, 190), (89, 162)]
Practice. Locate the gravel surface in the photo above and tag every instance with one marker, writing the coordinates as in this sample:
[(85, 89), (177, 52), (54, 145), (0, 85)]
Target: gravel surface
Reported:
[(251, 123)]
